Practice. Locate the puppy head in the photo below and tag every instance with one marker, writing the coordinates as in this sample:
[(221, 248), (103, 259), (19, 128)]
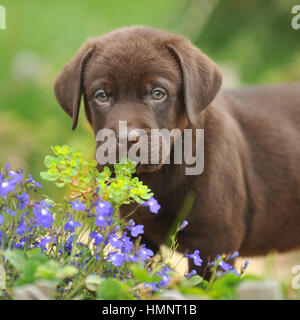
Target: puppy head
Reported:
[(149, 78)]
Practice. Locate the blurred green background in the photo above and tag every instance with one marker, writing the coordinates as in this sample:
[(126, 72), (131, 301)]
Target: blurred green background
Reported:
[(251, 40)]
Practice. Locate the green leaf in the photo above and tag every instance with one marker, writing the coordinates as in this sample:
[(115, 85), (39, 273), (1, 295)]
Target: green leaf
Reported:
[(192, 282), (35, 254), (16, 258), (224, 287), (92, 282), (141, 275), (111, 289), (50, 161), (60, 184)]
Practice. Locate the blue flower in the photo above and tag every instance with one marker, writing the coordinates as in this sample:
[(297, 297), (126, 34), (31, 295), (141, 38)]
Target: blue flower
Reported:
[(135, 230), (77, 206), (153, 286), (30, 180), (165, 278), (43, 216), (245, 265), (234, 255), (23, 199), (98, 238), (183, 225), (153, 205), (1, 219), (104, 208), (127, 244), (46, 240), (145, 253), (225, 266), (69, 244), (21, 227), (100, 221), (114, 241), (71, 224), (117, 259), (192, 273), (6, 186), (16, 176), (3, 237), (195, 256), (21, 243), (133, 258)]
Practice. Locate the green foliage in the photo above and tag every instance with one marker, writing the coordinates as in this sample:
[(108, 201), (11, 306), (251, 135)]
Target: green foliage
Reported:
[(100, 277), (142, 276), (33, 266), (68, 168), (111, 289)]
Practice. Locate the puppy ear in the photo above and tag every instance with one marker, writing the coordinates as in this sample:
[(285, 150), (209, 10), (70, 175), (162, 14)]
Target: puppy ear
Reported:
[(68, 86), (201, 77)]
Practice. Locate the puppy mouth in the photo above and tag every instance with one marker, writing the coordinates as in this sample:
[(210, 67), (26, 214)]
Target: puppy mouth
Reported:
[(148, 168), (153, 160)]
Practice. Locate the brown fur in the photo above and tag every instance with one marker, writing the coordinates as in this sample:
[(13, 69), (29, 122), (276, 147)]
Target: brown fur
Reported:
[(248, 197)]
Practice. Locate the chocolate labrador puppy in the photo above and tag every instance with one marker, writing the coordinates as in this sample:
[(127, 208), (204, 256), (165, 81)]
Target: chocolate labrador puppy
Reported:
[(248, 195)]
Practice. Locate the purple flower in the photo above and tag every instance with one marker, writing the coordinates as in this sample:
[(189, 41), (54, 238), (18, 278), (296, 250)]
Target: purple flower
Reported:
[(165, 278), (145, 253), (77, 206), (195, 256), (16, 176), (1, 219), (43, 216), (225, 266), (30, 180), (132, 258), (245, 265), (114, 241), (135, 230), (116, 258), (127, 244), (98, 238), (183, 225), (234, 255), (6, 186), (23, 199), (153, 205), (100, 221), (21, 243), (153, 286), (104, 208), (21, 228), (69, 244), (46, 240), (3, 237), (71, 224), (192, 273)]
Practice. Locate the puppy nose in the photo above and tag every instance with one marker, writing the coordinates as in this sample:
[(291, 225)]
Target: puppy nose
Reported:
[(129, 137)]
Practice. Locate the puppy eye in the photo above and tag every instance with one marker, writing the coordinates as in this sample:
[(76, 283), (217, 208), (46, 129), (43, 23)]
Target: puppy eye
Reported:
[(157, 94), (101, 96)]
